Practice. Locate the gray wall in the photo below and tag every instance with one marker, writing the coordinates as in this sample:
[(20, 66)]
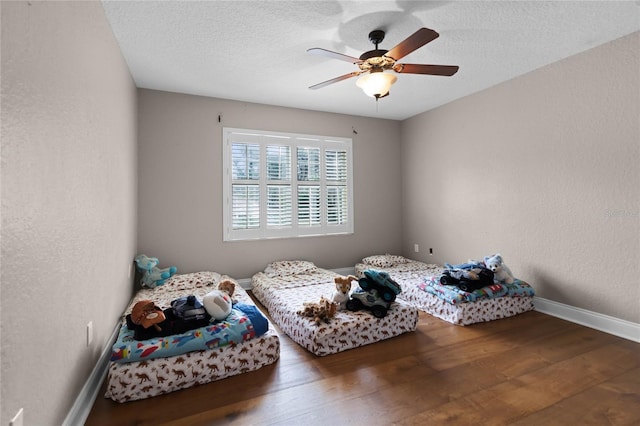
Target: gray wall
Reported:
[(68, 200), (543, 168), (180, 184)]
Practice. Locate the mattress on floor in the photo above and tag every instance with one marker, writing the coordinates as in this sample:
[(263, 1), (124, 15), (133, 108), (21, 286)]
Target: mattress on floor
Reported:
[(411, 276), (285, 286), (129, 381)]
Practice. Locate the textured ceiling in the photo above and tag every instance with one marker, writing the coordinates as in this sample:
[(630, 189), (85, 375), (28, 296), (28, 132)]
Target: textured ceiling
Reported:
[(255, 51)]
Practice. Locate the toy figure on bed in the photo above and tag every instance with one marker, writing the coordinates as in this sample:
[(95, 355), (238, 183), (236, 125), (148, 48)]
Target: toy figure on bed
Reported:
[(220, 302), (186, 313), (467, 279), (319, 312), (502, 274), (376, 293), (341, 294), (147, 320), (152, 276)]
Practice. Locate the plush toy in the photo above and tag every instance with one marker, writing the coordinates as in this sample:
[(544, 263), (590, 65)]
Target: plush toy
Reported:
[(218, 302), (152, 276), (324, 310), (501, 273), (146, 314), (228, 286), (341, 294)]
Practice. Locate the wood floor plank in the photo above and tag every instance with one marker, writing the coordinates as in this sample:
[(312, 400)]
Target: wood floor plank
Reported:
[(622, 407), (523, 395), (491, 341)]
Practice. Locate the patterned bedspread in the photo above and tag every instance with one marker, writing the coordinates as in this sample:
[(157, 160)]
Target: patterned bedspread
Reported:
[(449, 304), (128, 381), (283, 291), (454, 295)]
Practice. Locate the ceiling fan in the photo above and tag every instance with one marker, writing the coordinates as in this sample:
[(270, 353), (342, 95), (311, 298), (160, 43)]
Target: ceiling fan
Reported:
[(376, 82)]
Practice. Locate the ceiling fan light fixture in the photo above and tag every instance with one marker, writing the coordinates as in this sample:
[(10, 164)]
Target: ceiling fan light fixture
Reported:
[(376, 84)]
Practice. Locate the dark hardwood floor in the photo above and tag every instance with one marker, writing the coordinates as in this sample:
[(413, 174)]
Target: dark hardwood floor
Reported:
[(532, 369)]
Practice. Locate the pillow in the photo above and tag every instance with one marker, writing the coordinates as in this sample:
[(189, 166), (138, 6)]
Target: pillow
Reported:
[(384, 260), (378, 260), (288, 267), (397, 259), (192, 280)]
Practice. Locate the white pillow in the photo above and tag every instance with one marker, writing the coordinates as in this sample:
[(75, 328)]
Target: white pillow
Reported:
[(384, 260), (192, 280), (288, 267)]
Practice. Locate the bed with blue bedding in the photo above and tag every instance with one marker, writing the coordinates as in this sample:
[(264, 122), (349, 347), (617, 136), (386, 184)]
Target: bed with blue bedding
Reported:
[(242, 342), (421, 288)]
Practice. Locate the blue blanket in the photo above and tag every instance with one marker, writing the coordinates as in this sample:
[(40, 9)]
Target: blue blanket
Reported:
[(454, 295), (243, 323)]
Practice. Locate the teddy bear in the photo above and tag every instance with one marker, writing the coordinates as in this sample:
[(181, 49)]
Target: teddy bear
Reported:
[(152, 276), (501, 273), (324, 310), (341, 293), (228, 286)]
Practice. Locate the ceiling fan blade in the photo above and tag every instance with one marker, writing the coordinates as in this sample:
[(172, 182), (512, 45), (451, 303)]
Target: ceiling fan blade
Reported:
[(334, 55), (411, 43), (445, 70), (335, 80)]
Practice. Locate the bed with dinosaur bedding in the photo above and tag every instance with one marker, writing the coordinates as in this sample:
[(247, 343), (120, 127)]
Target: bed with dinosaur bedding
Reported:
[(284, 287), (421, 287), (143, 365)]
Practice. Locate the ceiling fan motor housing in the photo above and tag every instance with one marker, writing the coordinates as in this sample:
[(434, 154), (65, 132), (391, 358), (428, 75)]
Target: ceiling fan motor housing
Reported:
[(376, 37), (374, 60)]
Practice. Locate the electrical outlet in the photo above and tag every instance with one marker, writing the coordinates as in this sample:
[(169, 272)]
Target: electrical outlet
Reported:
[(89, 333), (17, 420), (430, 251), (416, 248)]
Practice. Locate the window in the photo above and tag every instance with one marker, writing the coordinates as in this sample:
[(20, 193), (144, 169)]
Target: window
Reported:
[(280, 185)]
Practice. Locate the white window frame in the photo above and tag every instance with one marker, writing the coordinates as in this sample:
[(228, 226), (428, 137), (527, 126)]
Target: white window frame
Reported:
[(293, 140)]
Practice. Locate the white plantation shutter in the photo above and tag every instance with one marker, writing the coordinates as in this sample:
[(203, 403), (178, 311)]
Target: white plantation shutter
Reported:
[(308, 162), (337, 194), (278, 205), (280, 185), (336, 165), (309, 206), (246, 206), (337, 205), (278, 163)]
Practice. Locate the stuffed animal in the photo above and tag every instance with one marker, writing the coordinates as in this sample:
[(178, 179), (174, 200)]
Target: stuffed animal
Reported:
[(501, 273), (146, 314), (218, 303), (324, 310), (152, 276), (228, 286), (341, 294)]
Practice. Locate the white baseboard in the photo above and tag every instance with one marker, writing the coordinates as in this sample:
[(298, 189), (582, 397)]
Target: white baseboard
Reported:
[(84, 402), (245, 283), (616, 326)]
